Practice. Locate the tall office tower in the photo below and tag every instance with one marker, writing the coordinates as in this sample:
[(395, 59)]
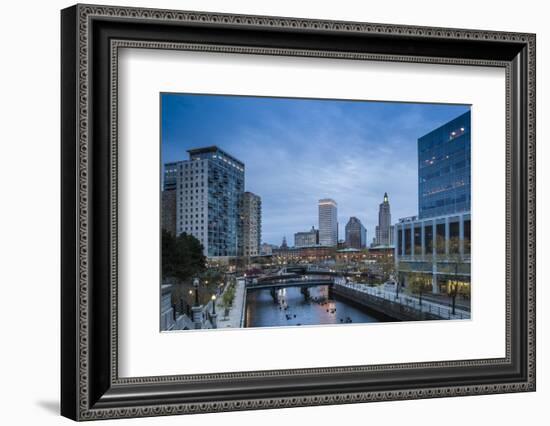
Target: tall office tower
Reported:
[(328, 222), (168, 210), (251, 215), (307, 238), (444, 169), (383, 230), (356, 234), (209, 187)]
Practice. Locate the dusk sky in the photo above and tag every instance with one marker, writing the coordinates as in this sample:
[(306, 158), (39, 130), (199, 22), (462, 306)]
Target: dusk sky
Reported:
[(297, 151)]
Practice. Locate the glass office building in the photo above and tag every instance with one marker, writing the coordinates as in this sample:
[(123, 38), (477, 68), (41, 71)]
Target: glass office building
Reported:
[(440, 235), (356, 234), (444, 169)]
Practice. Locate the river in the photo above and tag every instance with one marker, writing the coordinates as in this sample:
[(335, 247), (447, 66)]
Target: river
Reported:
[(291, 309)]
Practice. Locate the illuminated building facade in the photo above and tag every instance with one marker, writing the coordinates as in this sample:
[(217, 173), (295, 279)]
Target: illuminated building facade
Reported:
[(444, 169)]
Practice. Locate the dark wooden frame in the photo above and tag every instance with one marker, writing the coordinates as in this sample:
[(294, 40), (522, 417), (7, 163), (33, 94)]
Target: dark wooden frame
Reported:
[(90, 386)]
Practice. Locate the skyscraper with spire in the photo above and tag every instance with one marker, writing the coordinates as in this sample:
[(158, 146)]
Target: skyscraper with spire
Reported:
[(384, 230)]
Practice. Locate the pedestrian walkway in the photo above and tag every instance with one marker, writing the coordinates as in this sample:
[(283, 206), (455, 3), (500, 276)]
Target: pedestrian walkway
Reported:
[(235, 317), (437, 309)]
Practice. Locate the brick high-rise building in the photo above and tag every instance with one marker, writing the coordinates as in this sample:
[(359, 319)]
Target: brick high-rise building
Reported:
[(251, 216)]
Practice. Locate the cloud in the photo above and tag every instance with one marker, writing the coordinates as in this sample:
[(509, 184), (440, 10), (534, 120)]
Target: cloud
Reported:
[(292, 165), (297, 152)]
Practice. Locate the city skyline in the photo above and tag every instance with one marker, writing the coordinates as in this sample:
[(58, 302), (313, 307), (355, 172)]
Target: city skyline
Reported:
[(283, 142)]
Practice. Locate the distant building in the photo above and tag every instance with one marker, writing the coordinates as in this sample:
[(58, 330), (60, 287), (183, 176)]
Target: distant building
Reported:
[(444, 169), (308, 238), (328, 222), (251, 216), (350, 255), (356, 234), (380, 252), (316, 253), (209, 188), (168, 210), (267, 249), (284, 245), (384, 231)]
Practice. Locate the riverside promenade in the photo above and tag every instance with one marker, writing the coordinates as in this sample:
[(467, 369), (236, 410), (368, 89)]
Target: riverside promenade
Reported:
[(235, 317), (402, 304)]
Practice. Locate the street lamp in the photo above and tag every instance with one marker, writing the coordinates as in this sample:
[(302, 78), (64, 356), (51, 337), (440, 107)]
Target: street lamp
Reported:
[(213, 304), (196, 285)]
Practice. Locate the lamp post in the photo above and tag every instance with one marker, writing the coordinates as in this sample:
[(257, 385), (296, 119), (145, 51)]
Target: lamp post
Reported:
[(214, 316), (196, 285), (197, 308)]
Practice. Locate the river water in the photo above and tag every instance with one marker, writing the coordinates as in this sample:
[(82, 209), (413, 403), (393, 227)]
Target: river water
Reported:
[(291, 309)]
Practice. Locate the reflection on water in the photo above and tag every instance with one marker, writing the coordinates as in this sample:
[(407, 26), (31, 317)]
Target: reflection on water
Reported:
[(291, 308)]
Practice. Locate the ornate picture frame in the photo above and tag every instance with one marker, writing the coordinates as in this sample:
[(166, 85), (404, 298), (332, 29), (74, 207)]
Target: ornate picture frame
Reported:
[(91, 37)]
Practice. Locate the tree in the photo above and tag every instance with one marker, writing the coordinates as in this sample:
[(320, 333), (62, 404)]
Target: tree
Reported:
[(418, 284), (455, 264), (211, 280), (227, 298), (182, 256), (386, 264)]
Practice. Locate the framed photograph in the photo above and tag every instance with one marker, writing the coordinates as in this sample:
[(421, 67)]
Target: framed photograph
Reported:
[(263, 212)]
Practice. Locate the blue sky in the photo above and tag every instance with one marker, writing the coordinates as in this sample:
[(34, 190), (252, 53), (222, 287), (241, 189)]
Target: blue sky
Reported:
[(297, 151)]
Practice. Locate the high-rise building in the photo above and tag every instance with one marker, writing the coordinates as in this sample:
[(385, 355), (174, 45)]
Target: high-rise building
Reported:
[(328, 222), (384, 231), (444, 169), (251, 215), (168, 210), (356, 234), (307, 238), (209, 187)]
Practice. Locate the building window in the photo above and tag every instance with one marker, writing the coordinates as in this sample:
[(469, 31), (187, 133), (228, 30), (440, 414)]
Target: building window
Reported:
[(454, 234), (417, 240), (440, 238), (407, 241), (399, 236), (467, 236), (428, 238)]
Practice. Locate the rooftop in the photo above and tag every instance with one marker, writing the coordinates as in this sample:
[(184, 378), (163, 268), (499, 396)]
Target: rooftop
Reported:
[(327, 201), (349, 250), (213, 149)]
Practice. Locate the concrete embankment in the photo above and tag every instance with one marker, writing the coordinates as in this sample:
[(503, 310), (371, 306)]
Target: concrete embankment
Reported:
[(385, 310)]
